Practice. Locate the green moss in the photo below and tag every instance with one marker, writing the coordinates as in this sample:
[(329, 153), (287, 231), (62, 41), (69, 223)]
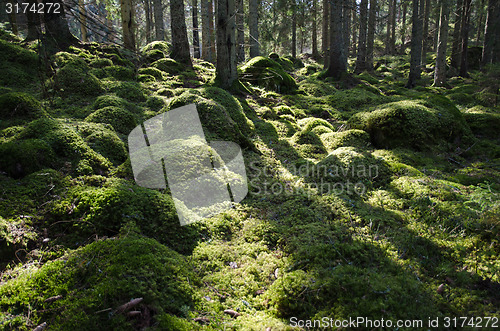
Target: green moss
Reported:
[(18, 65), (483, 121), (310, 123), (308, 144), (162, 46), (109, 100), (146, 79), (130, 91), (18, 104), (155, 103), (74, 78), (353, 138), (118, 73), (462, 99), (101, 63), (169, 66), (89, 280), (316, 88), (20, 158), (354, 99), (121, 120), (269, 74), (104, 140), (156, 73)]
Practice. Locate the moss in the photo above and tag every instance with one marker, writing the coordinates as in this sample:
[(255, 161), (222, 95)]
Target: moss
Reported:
[(316, 88), (104, 140), (74, 78), (89, 281), (308, 144), (108, 100), (146, 79), (310, 123), (130, 91), (483, 121), (353, 138), (101, 63), (118, 73), (267, 73), (121, 120), (409, 123), (354, 99), (18, 65), (462, 99), (162, 46), (284, 292), (18, 104), (156, 73), (169, 66), (155, 103), (20, 158)]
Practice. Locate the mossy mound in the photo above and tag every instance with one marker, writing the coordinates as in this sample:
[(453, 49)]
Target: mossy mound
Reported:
[(316, 88), (101, 63), (74, 77), (169, 66), (269, 74), (156, 73), (91, 284), (120, 119), (308, 144), (216, 121), (130, 91), (353, 138), (483, 121), (67, 144), (409, 124), (309, 123), (155, 51), (115, 72), (20, 158), (108, 100), (18, 104), (354, 99), (104, 140), (350, 166), (18, 65)]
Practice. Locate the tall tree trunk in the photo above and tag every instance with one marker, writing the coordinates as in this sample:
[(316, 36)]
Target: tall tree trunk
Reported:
[(57, 29), (83, 19), (440, 70), (13, 19), (393, 28), (212, 9), (354, 27), (336, 67), (325, 38), (159, 25), (492, 32), (205, 32), (370, 38), (480, 28), (180, 44), (226, 72), (363, 22), (240, 20), (465, 37), (426, 31), (196, 36), (315, 54), (253, 26), (346, 16), (403, 26), (147, 12), (455, 51), (34, 24), (388, 27), (416, 44), (294, 29)]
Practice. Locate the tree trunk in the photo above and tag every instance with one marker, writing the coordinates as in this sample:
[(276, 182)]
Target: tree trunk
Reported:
[(346, 16), (492, 32), (57, 29), (34, 24), (354, 27), (416, 45), (83, 19), (212, 9), (315, 54), (426, 31), (158, 14), (226, 72), (205, 32), (480, 23), (388, 28), (455, 51), (403, 26), (326, 24), (440, 71), (370, 38), (465, 37), (336, 67), (294, 30), (147, 12), (240, 20), (253, 26), (13, 19), (393, 28), (363, 22), (180, 44), (196, 37)]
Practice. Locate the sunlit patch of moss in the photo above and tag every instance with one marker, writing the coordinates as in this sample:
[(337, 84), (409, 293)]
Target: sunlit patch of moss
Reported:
[(307, 124), (89, 281), (18, 104), (285, 128), (267, 73), (104, 140), (74, 77), (116, 72), (308, 144), (101, 63), (130, 91), (316, 88), (483, 121), (169, 66), (354, 138), (156, 73), (354, 99), (121, 120)]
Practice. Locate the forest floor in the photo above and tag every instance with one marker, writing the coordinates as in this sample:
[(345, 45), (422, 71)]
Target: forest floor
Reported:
[(408, 230)]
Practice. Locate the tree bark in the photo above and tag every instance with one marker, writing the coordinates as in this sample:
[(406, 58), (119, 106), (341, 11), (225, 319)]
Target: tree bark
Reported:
[(180, 44), (205, 32), (34, 24), (492, 32), (346, 16), (83, 19), (455, 51), (212, 9), (393, 28), (480, 28), (326, 24), (294, 30), (240, 20), (226, 72), (336, 67), (416, 45), (158, 14), (370, 38), (147, 12), (363, 22), (315, 54), (465, 37), (440, 70), (425, 37), (253, 26), (13, 19), (403, 26), (196, 37), (388, 28), (57, 29)]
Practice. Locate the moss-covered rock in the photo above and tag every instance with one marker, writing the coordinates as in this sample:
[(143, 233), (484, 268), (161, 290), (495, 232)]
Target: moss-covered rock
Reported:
[(267, 73), (115, 72), (103, 275), (353, 138), (156, 73), (120, 119), (410, 124), (162, 46), (18, 104), (18, 65), (483, 121), (354, 99), (20, 158), (101, 63), (74, 77), (104, 140), (130, 91), (169, 66), (108, 100)]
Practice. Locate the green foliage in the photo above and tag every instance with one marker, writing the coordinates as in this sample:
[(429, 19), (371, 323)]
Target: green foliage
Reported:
[(169, 66), (130, 91), (269, 74), (18, 104), (73, 76), (20, 158), (120, 119), (18, 65), (104, 140), (108, 100), (156, 73), (483, 121)]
